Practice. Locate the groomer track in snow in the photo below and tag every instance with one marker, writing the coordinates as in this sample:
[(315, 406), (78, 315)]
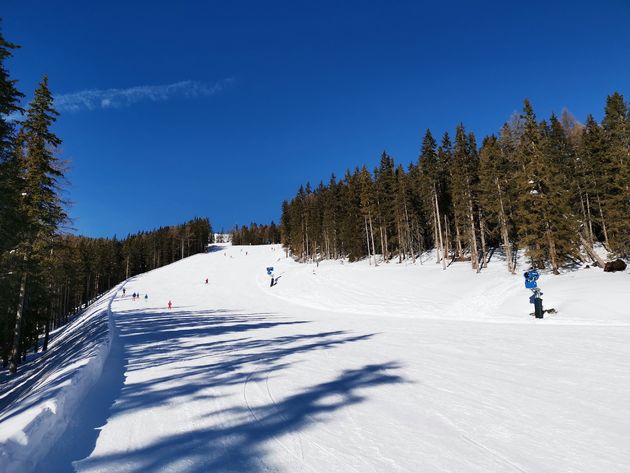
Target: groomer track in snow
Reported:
[(347, 367)]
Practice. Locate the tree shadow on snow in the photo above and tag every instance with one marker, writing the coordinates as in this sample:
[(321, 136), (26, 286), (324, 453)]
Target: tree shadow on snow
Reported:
[(203, 353)]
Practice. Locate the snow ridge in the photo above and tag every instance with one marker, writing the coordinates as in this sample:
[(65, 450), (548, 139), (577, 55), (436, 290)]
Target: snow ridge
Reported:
[(43, 400)]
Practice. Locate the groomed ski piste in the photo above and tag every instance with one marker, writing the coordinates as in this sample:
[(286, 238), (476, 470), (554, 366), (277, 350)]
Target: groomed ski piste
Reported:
[(340, 367)]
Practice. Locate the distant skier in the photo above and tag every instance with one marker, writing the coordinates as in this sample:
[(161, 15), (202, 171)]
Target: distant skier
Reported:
[(206, 280), (124, 290), (146, 296), (170, 304)]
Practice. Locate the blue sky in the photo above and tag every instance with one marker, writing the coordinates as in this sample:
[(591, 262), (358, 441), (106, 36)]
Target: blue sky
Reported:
[(172, 110)]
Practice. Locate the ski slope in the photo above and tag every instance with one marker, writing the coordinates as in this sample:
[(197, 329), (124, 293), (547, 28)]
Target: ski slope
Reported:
[(351, 368)]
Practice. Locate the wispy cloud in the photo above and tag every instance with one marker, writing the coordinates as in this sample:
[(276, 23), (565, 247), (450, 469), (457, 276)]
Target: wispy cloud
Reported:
[(94, 99)]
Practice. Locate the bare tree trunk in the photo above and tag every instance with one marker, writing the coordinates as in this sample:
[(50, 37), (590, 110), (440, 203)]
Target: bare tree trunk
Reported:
[(552, 251), (601, 214), (474, 251), (306, 236), (437, 208), (372, 235), (504, 232), (401, 250), (590, 220), (436, 237), (589, 249), (412, 251), (447, 238), (482, 234), (458, 240), (46, 332), (15, 352), (380, 229), (367, 239)]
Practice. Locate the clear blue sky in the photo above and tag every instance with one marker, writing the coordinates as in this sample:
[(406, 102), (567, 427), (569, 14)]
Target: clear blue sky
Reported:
[(223, 108)]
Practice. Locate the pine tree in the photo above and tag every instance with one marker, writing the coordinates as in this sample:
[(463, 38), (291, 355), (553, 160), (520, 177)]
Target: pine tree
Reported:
[(368, 210), (41, 204), (463, 172), (384, 192), (546, 225), (9, 166), (494, 172), (402, 212), (616, 200), (558, 177), (430, 184), (329, 218), (444, 197), (351, 223), (286, 227)]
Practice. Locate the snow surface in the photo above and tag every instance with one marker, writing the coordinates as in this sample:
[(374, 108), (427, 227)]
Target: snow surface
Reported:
[(36, 407), (346, 367)]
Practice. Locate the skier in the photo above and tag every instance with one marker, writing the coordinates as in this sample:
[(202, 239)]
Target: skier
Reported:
[(146, 296), (170, 304), (124, 290), (206, 280)]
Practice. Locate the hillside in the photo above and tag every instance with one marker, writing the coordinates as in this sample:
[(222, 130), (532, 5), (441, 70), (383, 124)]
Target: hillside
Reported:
[(339, 367)]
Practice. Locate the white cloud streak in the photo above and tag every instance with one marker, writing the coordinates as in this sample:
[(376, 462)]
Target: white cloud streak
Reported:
[(95, 99)]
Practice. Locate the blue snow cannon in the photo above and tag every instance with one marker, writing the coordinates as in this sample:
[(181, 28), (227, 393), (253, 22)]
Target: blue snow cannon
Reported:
[(531, 277)]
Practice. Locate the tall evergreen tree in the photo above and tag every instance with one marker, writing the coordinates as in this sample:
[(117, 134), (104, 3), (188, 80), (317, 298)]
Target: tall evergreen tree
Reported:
[(41, 204), (463, 169), (368, 210), (430, 183), (546, 224), (10, 185), (616, 127)]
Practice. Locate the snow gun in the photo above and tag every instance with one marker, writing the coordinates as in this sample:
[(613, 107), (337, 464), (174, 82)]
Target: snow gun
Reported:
[(270, 273), (531, 277)]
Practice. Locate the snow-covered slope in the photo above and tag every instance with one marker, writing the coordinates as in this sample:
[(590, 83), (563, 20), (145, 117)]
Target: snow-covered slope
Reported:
[(347, 367), (36, 407)]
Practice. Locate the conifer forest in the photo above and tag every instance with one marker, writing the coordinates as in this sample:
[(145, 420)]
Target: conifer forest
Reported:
[(553, 187), (255, 234), (46, 273)]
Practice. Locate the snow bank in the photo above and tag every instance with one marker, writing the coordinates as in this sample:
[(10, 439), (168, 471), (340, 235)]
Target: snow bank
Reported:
[(581, 296), (37, 406)]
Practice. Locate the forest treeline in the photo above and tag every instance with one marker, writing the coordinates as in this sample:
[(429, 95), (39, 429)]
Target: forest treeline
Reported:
[(554, 187), (255, 234), (46, 274)]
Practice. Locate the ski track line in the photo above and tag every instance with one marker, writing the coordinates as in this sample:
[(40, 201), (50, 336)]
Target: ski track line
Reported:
[(494, 454), (273, 400), (329, 451), (282, 444)]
